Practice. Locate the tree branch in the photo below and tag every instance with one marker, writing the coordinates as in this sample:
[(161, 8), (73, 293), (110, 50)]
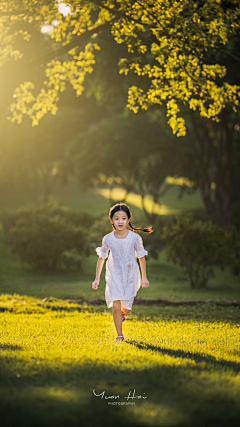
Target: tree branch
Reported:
[(77, 41), (229, 54), (123, 15), (47, 57)]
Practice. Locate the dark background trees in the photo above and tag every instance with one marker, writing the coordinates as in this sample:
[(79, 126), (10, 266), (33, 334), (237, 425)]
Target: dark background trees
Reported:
[(178, 61)]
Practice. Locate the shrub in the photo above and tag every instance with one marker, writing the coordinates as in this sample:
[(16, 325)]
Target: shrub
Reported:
[(49, 236), (197, 246)]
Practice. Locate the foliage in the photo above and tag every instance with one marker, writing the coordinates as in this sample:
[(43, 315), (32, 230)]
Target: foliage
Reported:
[(182, 56), (173, 46), (58, 74), (48, 237), (198, 246)]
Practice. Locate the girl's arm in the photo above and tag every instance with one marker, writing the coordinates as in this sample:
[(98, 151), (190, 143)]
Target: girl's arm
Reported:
[(98, 273), (145, 282)]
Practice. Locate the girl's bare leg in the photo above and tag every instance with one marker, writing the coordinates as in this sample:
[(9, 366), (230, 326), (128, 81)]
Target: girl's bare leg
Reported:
[(117, 317)]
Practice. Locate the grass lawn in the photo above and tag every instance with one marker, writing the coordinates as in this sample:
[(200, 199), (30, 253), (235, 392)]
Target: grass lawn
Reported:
[(184, 362)]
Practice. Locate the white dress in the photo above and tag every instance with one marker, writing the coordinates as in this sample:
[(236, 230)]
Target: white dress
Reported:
[(123, 277)]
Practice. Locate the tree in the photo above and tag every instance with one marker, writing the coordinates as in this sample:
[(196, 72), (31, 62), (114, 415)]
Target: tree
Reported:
[(179, 54), (170, 42), (217, 155)]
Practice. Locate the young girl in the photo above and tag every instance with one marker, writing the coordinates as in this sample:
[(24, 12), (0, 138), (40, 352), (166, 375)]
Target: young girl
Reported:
[(122, 272)]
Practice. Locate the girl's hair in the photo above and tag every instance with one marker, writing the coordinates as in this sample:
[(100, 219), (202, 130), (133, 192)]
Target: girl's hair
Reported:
[(122, 207)]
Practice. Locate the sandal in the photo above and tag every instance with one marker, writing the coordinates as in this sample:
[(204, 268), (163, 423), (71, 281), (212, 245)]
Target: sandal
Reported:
[(123, 316), (120, 338)]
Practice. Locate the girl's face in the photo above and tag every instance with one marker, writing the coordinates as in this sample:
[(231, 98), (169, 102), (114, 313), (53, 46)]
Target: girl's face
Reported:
[(120, 220)]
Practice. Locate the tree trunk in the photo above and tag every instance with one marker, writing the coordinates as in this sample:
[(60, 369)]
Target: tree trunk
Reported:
[(213, 143)]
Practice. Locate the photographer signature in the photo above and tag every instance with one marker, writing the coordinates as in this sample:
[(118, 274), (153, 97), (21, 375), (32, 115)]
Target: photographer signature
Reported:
[(103, 395)]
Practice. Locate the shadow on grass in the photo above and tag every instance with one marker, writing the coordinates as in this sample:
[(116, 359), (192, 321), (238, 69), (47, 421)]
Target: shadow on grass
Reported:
[(197, 357), (145, 313), (48, 395), (10, 347)]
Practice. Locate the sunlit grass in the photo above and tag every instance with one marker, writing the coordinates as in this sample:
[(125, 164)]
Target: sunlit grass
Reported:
[(45, 323), (179, 181), (54, 353), (185, 359), (135, 199)]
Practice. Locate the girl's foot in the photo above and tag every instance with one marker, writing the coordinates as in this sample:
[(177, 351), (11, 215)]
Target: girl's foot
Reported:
[(120, 338), (123, 316)]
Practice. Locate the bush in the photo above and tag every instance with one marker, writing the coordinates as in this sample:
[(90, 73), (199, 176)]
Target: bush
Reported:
[(197, 246), (48, 237)]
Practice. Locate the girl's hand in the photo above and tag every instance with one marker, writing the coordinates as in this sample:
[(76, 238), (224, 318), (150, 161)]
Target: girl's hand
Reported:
[(95, 284), (145, 283)]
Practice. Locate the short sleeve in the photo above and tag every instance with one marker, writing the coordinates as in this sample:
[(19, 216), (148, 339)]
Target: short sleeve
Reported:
[(102, 251), (141, 252)]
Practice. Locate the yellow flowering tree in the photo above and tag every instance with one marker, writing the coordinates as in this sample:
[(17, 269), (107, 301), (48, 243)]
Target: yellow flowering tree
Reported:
[(181, 55), (172, 45)]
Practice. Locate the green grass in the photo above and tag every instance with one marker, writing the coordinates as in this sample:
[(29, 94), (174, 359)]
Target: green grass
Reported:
[(53, 354), (184, 360)]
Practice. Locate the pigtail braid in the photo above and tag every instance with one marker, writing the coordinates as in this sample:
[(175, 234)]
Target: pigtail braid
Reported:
[(145, 230)]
